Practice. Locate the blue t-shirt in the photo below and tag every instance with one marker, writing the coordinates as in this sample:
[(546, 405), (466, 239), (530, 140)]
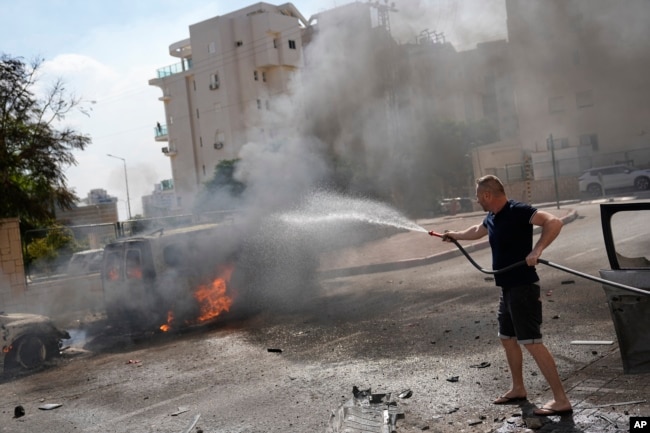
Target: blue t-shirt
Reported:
[(511, 237)]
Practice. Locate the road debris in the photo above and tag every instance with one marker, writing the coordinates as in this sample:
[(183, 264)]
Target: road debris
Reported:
[(181, 409), (599, 342), (366, 412), (483, 364), (271, 350), (50, 406), (193, 423), (623, 403), (601, 416), (407, 393), (19, 411), (452, 379)]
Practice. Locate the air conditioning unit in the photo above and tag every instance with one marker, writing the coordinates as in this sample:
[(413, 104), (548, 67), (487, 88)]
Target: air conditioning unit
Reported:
[(165, 149), (218, 145), (214, 86)]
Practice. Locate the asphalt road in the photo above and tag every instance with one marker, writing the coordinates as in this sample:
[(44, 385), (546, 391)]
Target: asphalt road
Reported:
[(407, 329)]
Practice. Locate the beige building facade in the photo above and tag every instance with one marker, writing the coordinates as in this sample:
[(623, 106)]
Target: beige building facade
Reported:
[(230, 69), (580, 74)]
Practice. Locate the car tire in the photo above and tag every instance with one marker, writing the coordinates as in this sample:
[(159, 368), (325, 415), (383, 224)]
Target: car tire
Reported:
[(594, 190), (642, 183), (30, 352)]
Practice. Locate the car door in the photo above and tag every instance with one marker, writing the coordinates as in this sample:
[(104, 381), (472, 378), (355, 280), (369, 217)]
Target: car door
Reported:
[(627, 243), (616, 177)]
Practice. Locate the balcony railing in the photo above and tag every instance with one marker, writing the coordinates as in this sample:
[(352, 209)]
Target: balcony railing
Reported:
[(160, 132), (174, 69)]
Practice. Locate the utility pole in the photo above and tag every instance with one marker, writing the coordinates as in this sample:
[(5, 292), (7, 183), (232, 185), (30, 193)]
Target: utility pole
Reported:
[(557, 194), (126, 180)]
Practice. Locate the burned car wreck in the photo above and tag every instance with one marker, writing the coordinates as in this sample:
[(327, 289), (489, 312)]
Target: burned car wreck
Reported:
[(28, 341)]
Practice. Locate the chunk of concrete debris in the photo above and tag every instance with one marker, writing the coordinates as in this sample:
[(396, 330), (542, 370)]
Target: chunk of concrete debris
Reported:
[(50, 406)]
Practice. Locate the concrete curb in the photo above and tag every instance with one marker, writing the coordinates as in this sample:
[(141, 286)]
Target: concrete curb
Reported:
[(422, 261)]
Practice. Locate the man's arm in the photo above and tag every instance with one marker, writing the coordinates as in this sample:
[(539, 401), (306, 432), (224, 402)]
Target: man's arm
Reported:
[(551, 226), (469, 234)]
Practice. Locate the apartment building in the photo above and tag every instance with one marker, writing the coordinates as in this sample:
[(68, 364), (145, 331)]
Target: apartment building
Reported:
[(571, 69), (580, 72), (161, 201), (215, 97)]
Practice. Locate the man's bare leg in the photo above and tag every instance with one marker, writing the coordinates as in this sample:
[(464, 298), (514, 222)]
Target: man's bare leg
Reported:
[(547, 366), (514, 356)]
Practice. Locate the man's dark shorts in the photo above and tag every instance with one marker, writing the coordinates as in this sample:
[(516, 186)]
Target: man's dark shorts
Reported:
[(520, 314)]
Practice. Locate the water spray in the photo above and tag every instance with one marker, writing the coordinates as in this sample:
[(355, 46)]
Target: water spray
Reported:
[(542, 261)]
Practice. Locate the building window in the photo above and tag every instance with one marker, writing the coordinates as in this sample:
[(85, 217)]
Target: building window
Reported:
[(211, 48), (255, 76), (197, 114), (194, 84), (558, 143), (584, 99), (239, 43), (259, 104), (214, 81), (292, 44), (275, 43), (556, 104), (589, 140), (264, 76), (200, 141), (268, 105), (203, 169)]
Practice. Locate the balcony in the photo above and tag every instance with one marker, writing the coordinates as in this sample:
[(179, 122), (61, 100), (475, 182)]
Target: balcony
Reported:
[(176, 68), (160, 132)]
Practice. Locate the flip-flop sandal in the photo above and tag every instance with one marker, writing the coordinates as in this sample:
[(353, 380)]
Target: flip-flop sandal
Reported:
[(547, 411), (509, 400)]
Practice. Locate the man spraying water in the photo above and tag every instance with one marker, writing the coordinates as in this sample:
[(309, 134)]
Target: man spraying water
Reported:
[(509, 225)]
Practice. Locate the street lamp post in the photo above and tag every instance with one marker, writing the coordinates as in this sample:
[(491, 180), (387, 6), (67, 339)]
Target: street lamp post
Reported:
[(126, 180)]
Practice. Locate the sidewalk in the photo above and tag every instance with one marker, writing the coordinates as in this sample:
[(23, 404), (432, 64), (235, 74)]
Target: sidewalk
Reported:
[(604, 398)]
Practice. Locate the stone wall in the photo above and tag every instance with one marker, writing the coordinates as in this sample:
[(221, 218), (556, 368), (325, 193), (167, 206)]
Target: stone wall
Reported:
[(12, 269)]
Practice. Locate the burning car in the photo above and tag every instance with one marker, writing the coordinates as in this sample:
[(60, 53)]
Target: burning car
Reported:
[(169, 278), (29, 340)]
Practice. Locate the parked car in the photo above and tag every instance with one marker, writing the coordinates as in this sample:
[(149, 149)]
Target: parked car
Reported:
[(600, 179), (452, 206), (86, 262), (28, 341), (627, 242)]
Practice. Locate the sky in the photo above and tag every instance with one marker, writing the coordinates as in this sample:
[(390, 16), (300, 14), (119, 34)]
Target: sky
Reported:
[(106, 52)]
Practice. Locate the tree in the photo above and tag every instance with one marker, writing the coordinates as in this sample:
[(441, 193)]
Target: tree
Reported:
[(223, 191), (47, 253), (34, 148)]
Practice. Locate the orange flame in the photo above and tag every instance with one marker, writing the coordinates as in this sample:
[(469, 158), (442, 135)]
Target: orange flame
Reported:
[(167, 326), (212, 298)]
